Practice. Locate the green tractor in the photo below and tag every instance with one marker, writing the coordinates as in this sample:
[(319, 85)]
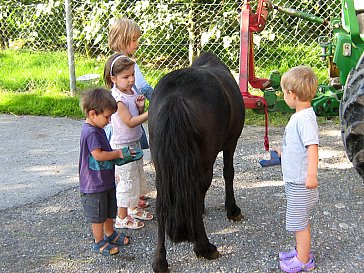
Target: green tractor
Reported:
[(348, 57), (344, 52)]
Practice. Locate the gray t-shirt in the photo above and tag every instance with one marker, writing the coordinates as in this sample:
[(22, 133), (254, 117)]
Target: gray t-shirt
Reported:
[(300, 132)]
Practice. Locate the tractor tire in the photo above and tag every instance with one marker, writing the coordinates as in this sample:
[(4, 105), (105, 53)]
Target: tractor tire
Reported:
[(352, 116)]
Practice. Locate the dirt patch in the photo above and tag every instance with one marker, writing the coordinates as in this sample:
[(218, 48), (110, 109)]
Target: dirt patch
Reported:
[(39, 158), (43, 228)]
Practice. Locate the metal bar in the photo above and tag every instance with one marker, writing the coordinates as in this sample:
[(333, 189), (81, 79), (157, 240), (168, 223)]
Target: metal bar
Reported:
[(244, 48), (70, 50), (302, 15)]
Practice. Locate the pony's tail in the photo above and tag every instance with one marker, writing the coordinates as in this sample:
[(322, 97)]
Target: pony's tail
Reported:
[(178, 171)]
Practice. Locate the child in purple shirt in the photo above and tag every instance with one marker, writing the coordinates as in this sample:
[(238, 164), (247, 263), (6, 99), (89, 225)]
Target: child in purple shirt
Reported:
[(97, 172)]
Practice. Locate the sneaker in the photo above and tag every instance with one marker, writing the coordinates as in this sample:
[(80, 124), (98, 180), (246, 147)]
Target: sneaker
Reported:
[(294, 265), (286, 255)]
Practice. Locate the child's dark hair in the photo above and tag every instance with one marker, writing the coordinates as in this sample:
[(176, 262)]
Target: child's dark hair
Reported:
[(97, 99), (114, 65)]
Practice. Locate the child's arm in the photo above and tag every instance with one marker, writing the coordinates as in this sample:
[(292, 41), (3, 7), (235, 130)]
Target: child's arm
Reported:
[(142, 84), (312, 156), (101, 155), (128, 119)]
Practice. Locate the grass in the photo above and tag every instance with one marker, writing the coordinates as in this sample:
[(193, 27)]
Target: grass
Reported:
[(40, 105), (36, 83)]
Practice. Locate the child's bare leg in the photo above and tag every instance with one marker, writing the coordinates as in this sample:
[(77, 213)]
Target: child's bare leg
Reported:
[(122, 212), (109, 226), (98, 231), (303, 244)]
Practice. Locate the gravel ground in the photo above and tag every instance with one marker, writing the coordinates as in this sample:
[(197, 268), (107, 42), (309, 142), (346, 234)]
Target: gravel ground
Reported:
[(49, 233)]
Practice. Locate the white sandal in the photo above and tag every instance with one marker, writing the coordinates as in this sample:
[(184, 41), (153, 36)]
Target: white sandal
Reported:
[(144, 214), (128, 222)]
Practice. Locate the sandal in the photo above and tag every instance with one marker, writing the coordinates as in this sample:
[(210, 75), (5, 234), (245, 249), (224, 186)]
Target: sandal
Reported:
[(142, 204), (294, 265), (286, 255), (128, 222), (105, 248), (143, 197), (119, 239), (140, 214)]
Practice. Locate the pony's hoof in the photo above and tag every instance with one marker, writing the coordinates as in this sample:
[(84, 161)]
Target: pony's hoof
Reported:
[(164, 271), (160, 267), (236, 218), (215, 255)]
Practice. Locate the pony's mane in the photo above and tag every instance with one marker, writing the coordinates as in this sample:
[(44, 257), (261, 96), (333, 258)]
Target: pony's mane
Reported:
[(209, 59)]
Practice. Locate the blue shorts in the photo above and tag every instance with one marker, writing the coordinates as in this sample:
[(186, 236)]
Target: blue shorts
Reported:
[(99, 206)]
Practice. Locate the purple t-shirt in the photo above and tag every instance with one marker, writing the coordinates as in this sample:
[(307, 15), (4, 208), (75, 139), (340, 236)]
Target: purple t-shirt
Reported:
[(95, 176)]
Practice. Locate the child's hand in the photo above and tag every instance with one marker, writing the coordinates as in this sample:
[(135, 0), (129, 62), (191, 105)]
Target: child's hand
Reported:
[(278, 150), (132, 152), (311, 183), (120, 153), (140, 101)]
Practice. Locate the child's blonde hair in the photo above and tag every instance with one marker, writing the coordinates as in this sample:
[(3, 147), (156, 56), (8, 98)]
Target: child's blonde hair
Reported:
[(117, 63), (302, 81), (122, 32)]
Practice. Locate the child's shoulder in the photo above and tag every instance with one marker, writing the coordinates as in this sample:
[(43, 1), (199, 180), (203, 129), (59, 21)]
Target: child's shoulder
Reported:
[(88, 129)]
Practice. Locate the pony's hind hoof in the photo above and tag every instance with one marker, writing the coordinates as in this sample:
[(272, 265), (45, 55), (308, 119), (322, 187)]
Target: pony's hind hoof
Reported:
[(164, 271), (214, 255), (236, 218)]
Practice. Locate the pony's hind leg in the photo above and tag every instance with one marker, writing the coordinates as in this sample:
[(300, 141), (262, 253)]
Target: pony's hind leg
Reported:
[(233, 211), (202, 247), (160, 263)]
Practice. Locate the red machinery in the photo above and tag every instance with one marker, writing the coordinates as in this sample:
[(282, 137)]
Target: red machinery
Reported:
[(250, 23)]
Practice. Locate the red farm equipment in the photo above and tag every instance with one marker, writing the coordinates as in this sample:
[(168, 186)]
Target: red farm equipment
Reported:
[(344, 52)]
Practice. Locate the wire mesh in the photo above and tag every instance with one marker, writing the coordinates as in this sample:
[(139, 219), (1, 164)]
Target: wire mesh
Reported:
[(173, 32)]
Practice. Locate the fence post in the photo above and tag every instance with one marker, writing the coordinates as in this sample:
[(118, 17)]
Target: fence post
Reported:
[(70, 50)]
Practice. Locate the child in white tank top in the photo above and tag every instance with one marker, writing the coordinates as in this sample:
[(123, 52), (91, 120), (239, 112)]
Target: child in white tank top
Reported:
[(126, 122)]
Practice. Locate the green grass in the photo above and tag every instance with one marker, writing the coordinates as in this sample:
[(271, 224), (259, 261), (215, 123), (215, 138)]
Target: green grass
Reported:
[(40, 105), (36, 83), (41, 72)]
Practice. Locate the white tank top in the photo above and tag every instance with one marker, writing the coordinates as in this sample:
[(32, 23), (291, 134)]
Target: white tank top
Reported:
[(123, 134)]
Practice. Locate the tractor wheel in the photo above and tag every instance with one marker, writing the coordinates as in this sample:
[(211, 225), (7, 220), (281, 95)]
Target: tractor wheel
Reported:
[(352, 116)]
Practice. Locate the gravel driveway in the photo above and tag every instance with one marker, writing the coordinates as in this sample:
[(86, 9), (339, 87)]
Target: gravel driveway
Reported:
[(43, 229)]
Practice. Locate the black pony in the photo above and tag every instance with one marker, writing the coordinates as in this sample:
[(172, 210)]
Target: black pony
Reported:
[(195, 113)]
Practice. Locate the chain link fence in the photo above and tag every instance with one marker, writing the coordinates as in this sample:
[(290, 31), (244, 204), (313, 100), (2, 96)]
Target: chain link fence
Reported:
[(173, 32)]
